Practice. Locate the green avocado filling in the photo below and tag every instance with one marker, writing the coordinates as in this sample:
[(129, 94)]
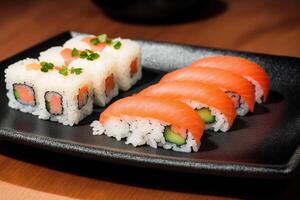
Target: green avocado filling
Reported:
[(17, 95), (206, 115), (48, 107), (173, 137)]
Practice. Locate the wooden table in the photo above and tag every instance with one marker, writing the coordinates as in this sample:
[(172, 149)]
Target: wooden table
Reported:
[(268, 26)]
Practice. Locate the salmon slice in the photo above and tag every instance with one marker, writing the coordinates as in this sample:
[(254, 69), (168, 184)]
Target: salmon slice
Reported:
[(170, 111), (246, 68), (66, 53), (225, 80), (24, 94), (95, 47), (109, 84), (133, 67), (83, 95), (53, 103), (195, 91)]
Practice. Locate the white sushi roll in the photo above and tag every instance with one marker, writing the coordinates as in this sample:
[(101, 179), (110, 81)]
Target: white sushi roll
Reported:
[(128, 58), (102, 73), (99, 67), (65, 96), (127, 54), (20, 79)]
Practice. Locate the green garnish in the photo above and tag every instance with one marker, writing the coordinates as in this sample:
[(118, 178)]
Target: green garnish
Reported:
[(77, 71), (89, 55), (93, 56), (48, 107), (74, 52), (117, 44), (102, 38), (64, 71), (45, 66), (16, 94), (83, 54), (108, 42), (95, 41)]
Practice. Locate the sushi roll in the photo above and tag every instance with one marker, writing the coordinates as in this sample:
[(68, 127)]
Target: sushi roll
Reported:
[(20, 79), (214, 107), (65, 95), (155, 121), (127, 54), (100, 67), (237, 88), (245, 68)]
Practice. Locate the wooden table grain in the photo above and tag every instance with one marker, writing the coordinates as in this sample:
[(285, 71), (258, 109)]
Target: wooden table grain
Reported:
[(267, 26)]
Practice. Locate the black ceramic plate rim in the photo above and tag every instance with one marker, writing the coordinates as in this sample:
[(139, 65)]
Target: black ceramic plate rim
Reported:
[(156, 161), (106, 153)]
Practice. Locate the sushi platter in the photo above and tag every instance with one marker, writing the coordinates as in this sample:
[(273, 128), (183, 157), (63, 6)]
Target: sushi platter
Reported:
[(160, 105)]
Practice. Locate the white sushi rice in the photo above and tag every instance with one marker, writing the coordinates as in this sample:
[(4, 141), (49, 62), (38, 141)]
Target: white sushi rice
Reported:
[(18, 73), (129, 51), (98, 70), (68, 88), (258, 90), (53, 55), (141, 131), (221, 122), (241, 106)]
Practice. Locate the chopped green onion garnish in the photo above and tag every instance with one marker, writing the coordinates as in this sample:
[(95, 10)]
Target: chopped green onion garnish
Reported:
[(93, 56), (102, 38), (76, 70), (94, 41), (74, 52), (89, 51), (108, 42), (64, 71), (117, 44), (45, 66), (83, 54), (89, 55)]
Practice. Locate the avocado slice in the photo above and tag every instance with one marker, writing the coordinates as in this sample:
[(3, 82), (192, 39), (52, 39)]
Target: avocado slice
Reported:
[(173, 137), (16, 94), (48, 107), (206, 115)]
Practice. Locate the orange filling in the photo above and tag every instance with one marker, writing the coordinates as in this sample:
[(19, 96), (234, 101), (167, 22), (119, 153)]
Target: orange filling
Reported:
[(133, 67), (25, 94), (55, 104), (109, 83), (82, 96), (94, 47)]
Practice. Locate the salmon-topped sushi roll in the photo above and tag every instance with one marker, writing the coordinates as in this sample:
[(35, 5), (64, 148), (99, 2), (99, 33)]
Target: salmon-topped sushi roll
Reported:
[(236, 87), (246, 68), (125, 52), (100, 67), (214, 107), (20, 79), (155, 121), (66, 95)]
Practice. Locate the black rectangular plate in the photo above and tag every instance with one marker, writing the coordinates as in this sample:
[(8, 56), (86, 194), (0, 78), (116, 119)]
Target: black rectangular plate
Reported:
[(262, 144)]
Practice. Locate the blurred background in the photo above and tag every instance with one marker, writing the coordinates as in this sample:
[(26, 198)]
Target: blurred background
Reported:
[(269, 26)]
